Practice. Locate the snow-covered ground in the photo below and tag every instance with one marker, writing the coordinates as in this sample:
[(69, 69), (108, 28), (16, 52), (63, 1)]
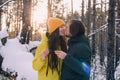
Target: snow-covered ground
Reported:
[(117, 73), (98, 72), (17, 57)]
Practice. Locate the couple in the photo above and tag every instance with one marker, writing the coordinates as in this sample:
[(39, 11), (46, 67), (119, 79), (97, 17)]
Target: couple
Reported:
[(54, 61)]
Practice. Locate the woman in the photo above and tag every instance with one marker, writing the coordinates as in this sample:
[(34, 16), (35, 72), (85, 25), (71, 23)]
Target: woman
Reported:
[(45, 62), (76, 62)]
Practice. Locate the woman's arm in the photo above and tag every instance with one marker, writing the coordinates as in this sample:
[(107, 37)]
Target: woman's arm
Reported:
[(38, 61)]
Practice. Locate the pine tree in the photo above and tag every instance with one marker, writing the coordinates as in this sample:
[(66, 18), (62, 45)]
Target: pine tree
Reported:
[(117, 37), (26, 21), (94, 27), (88, 16), (111, 42), (49, 8), (83, 10)]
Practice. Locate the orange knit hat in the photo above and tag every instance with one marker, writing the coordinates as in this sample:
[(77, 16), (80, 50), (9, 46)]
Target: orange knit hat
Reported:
[(54, 23)]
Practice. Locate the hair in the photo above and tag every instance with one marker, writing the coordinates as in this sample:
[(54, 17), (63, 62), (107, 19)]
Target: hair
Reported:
[(76, 28), (55, 42)]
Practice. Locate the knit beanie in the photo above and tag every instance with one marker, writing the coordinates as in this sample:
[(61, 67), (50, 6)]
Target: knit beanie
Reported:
[(54, 23)]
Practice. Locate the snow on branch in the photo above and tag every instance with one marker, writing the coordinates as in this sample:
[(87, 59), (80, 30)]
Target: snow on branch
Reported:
[(117, 19), (97, 30), (3, 33), (118, 35), (5, 3), (102, 28)]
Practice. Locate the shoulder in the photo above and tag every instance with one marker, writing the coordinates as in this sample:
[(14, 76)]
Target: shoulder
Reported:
[(80, 45), (44, 37), (43, 43), (82, 48)]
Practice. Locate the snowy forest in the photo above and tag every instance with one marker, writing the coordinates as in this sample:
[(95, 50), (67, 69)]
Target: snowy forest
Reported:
[(23, 21)]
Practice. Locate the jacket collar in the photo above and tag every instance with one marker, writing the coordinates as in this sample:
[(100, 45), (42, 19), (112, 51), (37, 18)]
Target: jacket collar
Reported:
[(78, 39)]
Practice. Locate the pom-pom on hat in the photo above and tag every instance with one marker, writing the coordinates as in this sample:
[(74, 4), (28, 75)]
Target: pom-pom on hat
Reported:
[(54, 23)]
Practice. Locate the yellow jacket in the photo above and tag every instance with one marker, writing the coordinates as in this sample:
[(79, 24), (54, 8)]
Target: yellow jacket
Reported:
[(41, 65)]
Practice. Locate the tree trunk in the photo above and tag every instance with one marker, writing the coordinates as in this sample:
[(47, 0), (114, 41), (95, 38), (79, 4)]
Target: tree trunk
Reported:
[(110, 42), (88, 17), (101, 37), (117, 37), (82, 10), (94, 27), (49, 8), (72, 8), (26, 21), (101, 48), (0, 14)]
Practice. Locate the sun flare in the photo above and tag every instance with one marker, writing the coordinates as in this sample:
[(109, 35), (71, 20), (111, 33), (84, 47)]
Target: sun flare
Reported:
[(39, 13)]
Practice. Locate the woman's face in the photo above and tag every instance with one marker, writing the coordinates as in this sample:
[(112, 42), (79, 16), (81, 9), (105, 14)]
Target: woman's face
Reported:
[(62, 30), (68, 29)]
